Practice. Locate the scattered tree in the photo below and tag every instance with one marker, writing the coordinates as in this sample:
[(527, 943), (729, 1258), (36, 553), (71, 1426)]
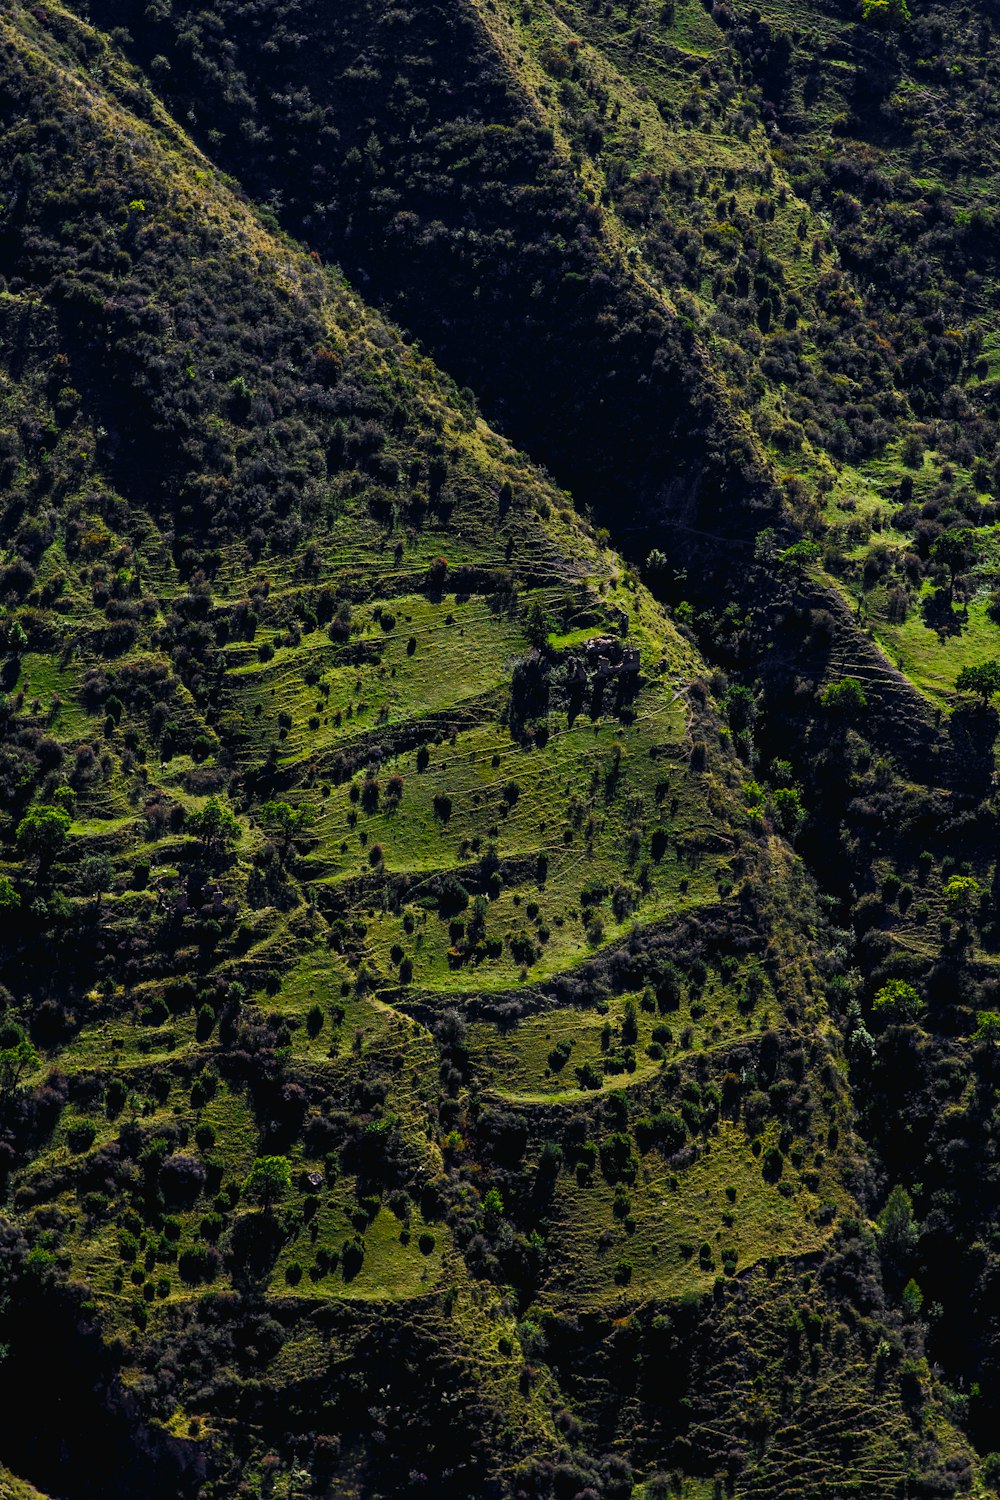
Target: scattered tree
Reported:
[(215, 826), (846, 699), (983, 680), (962, 893), (896, 1002), (285, 823), (268, 1181), (887, 15), (17, 1057), (912, 1300), (537, 623), (96, 875), (897, 1231), (797, 558), (987, 1028), (787, 811), (954, 550), (42, 832)]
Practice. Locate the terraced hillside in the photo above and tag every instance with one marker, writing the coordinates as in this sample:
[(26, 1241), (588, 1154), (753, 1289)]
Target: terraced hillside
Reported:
[(426, 1064), (771, 260)]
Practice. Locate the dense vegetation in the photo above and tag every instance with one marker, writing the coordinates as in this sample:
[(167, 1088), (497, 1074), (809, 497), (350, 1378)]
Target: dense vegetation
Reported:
[(481, 1012)]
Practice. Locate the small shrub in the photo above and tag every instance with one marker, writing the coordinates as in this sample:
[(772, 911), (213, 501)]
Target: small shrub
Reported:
[(80, 1137), (199, 1263)]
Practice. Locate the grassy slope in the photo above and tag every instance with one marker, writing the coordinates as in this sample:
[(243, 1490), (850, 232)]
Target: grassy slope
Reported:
[(682, 141), (705, 156), (12, 1488), (613, 791)]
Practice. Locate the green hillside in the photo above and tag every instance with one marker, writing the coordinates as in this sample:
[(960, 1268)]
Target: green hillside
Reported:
[(498, 887), (732, 218)]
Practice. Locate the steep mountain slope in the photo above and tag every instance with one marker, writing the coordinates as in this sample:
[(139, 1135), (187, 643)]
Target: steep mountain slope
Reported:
[(518, 184), (680, 198), (418, 1070), (587, 209), (409, 145)]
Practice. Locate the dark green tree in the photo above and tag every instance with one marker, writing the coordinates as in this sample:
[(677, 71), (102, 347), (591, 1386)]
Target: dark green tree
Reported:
[(846, 699), (537, 623), (285, 823), (956, 551), (96, 875), (898, 1233), (42, 832), (17, 1057), (983, 680), (215, 826), (268, 1181)]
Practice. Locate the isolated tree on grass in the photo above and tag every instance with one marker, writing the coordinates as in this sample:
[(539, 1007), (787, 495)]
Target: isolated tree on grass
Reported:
[(956, 551), (983, 680), (537, 623), (268, 1181), (796, 560)]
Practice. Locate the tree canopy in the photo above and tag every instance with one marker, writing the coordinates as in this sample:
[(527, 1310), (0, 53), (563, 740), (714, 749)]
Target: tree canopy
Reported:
[(215, 825), (983, 680), (846, 699), (987, 1027), (17, 1057), (962, 893), (897, 1001), (43, 831), (955, 550), (284, 822), (268, 1181)]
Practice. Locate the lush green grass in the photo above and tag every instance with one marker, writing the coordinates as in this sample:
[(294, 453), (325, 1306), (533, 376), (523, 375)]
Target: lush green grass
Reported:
[(43, 677), (675, 1212), (933, 658), (517, 1060), (394, 1266)]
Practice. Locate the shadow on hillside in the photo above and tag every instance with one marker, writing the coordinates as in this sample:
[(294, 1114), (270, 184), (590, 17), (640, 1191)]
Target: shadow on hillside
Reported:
[(972, 731), (941, 616), (69, 1427)]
